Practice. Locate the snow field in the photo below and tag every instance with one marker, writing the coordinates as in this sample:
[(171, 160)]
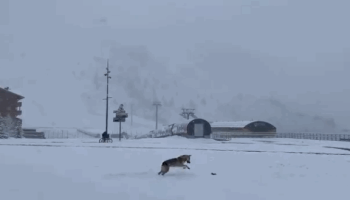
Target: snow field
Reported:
[(76, 169)]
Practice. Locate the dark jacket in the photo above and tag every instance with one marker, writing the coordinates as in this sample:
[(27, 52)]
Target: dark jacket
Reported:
[(105, 135)]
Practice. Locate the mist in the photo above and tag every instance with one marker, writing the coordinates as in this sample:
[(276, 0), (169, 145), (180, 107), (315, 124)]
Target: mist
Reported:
[(286, 62)]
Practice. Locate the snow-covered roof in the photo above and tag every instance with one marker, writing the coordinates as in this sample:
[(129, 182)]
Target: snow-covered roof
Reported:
[(230, 124)]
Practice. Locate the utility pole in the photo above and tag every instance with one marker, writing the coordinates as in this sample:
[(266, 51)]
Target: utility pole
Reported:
[(157, 103), (107, 97), (131, 112)]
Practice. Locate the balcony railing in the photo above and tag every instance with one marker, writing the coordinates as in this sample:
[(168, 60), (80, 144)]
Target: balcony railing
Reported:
[(19, 112)]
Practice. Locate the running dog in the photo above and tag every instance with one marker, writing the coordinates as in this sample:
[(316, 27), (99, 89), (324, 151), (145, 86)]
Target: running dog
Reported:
[(175, 162)]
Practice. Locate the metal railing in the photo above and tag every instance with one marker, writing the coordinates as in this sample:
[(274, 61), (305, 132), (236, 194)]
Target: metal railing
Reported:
[(308, 136), (229, 135), (315, 136), (76, 134), (159, 134), (64, 134)]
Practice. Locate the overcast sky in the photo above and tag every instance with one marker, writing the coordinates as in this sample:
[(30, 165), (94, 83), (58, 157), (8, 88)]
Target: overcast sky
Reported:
[(297, 51)]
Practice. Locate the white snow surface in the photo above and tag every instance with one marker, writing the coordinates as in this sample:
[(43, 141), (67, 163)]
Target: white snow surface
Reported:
[(57, 169)]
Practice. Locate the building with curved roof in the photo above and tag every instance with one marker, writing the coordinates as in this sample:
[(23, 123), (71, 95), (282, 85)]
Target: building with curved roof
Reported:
[(194, 127), (243, 126)]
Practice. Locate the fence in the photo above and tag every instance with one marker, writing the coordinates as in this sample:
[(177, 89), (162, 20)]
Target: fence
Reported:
[(156, 134), (87, 133), (64, 134), (315, 136), (78, 133), (309, 136), (229, 135)]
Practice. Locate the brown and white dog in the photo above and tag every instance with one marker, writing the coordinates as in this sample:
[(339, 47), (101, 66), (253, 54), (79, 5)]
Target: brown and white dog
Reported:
[(175, 162)]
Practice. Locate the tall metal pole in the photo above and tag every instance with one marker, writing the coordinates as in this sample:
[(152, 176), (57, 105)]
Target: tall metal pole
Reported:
[(120, 130), (157, 117), (157, 104), (132, 112), (107, 97)]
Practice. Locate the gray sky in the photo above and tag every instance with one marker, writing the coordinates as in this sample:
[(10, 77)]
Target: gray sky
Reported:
[(295, 51)]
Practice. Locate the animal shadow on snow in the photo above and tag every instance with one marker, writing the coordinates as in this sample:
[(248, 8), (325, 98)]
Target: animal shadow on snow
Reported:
[(178, 174), (147, 174), (128, 175)]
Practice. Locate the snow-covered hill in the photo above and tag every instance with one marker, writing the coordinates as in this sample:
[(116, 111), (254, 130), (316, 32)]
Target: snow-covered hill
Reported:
[(177, 53)]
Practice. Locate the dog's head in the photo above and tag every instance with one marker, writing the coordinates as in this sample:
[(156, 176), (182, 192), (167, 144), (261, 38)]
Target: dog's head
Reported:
[(186, 158)]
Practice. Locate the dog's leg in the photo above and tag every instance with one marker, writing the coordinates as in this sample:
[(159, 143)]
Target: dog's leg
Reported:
[(185, 166), (164, 169)]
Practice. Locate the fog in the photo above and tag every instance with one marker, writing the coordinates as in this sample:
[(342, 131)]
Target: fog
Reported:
[(286, 62)]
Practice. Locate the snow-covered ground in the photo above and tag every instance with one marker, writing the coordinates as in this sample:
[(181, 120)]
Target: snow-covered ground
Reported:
[(271, 169)]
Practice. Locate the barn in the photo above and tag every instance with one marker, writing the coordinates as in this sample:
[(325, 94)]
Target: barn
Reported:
[(193, 128), (243, 127)]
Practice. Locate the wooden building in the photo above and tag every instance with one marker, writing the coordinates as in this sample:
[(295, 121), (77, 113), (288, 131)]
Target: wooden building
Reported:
[(244, 127), (10, 110)]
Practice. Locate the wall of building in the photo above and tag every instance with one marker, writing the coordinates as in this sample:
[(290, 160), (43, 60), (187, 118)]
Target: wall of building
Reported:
[(10, 127), (9, 105)]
